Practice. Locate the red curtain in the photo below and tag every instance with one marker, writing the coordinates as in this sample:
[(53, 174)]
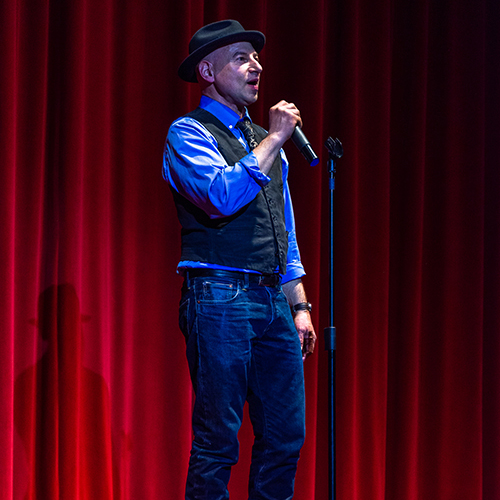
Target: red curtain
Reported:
[(95, 391)]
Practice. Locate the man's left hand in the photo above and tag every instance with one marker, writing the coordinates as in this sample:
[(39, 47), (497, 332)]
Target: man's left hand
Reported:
[(306, 332)]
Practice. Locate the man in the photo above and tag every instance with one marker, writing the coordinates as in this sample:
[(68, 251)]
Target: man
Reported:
[(241, 268)]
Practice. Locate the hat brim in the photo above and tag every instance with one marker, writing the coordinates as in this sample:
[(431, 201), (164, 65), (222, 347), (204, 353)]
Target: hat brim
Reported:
[(187, 69)]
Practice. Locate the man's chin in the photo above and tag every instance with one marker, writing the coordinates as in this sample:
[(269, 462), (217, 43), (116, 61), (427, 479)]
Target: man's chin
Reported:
[(252, 98)]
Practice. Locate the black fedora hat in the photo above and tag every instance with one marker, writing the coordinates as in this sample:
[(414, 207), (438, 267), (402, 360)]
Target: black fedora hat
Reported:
[(211, 37)]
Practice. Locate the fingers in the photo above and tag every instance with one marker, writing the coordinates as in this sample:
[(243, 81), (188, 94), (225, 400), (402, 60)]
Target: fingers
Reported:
[(306, 333), (290, 110), (283, 118), (308, 343)]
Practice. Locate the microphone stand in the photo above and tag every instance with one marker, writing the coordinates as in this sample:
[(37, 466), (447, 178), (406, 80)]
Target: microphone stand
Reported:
[(335, 151)]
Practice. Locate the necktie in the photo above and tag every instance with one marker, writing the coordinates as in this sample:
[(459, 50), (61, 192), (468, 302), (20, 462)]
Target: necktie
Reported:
[(245, 126)]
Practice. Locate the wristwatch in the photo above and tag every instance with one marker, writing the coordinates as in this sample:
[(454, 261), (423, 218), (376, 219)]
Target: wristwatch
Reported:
[(302, 306)]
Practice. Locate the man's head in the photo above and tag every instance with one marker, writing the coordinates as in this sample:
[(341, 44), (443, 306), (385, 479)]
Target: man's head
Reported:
[(213, 36), (231, 75)]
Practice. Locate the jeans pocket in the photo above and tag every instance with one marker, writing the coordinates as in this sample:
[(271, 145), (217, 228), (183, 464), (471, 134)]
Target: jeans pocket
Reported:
[(219, 291)]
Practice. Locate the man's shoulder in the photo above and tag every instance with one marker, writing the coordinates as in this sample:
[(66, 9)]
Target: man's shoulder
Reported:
[(198, 114), (198, 118), (187, 127), (188, 118), (205, 117)]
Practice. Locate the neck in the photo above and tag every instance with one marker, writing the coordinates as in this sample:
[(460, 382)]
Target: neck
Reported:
[(213, 94)]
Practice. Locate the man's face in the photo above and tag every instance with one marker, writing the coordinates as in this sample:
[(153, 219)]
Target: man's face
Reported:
[(236, 74)]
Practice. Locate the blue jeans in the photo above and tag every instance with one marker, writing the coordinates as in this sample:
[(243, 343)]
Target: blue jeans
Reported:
[(242, 345)]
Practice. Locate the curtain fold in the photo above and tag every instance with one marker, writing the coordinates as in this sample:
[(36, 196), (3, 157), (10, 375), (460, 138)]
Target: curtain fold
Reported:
[(95, 390)]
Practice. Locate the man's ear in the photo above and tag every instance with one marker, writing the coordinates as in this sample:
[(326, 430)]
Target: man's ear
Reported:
[(206, 71)]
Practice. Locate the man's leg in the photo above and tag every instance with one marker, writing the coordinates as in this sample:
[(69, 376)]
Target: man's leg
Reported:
[(277, 405), (214, 317)]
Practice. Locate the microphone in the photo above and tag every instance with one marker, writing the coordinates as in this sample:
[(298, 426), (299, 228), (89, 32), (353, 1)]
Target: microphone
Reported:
[(304, 146)]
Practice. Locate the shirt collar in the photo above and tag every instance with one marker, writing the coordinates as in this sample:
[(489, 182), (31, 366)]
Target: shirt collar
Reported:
[(226, 115)]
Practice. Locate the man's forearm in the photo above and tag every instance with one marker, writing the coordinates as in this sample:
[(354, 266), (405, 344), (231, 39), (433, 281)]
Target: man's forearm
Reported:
[(266, 153), (295, 292)]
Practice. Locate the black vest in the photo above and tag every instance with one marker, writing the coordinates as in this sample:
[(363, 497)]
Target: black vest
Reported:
[(255, 237)]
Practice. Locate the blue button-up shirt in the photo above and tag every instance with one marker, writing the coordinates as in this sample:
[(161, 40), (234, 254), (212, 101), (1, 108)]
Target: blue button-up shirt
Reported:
[(195, 168)]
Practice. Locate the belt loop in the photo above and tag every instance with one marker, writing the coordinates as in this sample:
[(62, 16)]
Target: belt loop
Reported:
[(187, 279)]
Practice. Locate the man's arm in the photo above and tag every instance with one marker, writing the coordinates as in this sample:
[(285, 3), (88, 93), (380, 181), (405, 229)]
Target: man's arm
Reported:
[(196, 169), (295, 294)]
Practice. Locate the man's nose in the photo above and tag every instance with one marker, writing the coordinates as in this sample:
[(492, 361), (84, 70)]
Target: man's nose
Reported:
[(256, 66)]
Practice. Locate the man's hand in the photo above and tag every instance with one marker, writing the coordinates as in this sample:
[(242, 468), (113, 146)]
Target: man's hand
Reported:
[(283, 118), (295, 293), (306, 332)]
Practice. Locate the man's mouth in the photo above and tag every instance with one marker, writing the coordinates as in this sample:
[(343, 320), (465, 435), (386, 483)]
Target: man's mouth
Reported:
[(254, 83)]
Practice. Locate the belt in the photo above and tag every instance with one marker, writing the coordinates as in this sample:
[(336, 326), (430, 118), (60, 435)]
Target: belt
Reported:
[(273, 279)]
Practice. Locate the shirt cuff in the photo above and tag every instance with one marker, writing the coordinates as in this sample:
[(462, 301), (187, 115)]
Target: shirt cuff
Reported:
[(294, 270), (251, 164)]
